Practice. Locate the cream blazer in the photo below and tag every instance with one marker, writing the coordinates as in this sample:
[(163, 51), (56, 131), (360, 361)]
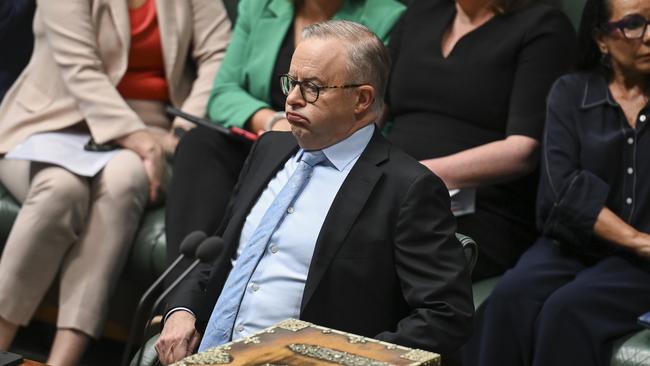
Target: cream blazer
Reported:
[(81, 53)]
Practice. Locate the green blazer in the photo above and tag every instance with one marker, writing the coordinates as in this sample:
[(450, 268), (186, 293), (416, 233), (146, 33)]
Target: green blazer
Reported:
[(242, 86)]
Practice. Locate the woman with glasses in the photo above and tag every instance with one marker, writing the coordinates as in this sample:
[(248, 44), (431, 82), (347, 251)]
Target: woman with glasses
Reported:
[(583, 284), (467, 98), (247, 93)]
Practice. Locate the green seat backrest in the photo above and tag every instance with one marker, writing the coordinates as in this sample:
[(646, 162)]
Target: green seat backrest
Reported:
[(573, 9), (231, 8)]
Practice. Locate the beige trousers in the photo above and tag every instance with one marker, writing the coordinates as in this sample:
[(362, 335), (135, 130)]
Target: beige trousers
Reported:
[(77, 227)]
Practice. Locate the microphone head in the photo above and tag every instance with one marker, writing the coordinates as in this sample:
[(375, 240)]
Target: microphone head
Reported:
[(210, 249), (191, 243)]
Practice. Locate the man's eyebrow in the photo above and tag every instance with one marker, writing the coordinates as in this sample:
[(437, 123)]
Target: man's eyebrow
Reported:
[(312, 78)]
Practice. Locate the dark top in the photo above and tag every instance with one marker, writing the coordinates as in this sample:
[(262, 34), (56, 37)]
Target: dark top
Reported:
[(282, 64), (492, 85), (16, 39), (592, 158)]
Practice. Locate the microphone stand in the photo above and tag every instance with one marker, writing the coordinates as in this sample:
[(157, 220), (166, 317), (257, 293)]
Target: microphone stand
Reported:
[(188, 246), (207, 252)]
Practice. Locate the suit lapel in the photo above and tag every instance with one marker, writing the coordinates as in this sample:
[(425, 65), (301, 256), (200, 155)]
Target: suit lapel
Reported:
[(347, 205), (120, 14), (268, 162), (168, 34)]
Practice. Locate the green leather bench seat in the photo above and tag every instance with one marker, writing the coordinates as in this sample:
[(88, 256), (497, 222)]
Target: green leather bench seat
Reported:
[(631, 350)]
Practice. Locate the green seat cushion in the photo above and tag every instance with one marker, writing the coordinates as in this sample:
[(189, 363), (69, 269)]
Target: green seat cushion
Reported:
[(482, 290), (8, 212), (633, 350), (148, 257)]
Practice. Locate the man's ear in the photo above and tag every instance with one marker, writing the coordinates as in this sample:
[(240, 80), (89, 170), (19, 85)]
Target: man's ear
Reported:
[(365, 98)]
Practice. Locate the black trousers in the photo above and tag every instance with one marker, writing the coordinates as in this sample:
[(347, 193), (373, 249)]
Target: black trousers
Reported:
[(206, 168), (555, 309)]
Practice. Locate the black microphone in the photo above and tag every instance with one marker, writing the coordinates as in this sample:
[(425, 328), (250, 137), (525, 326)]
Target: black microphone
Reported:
[(188, 247), (207, 252)]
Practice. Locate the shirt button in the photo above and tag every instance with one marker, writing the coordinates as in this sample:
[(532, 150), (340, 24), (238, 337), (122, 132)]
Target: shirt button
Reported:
[(630, 170), (630, 140), (642, 118), (628, 201), (239, 328), (274, 248), (255, 287), (290, 210)]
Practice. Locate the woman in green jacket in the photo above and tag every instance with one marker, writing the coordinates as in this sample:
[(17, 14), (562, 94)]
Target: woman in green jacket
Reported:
[(247, 94)]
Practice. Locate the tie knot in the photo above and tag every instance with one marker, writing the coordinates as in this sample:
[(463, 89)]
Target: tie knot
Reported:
[(313, 158)]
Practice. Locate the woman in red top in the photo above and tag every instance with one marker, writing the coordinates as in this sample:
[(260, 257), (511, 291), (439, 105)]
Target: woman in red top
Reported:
[(105, 68)]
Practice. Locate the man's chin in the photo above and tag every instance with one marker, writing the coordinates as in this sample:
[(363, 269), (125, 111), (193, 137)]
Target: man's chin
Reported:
[(303, 137)]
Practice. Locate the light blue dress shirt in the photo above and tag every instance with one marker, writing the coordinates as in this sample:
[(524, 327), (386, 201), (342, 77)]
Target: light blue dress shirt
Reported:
[(275, 289)]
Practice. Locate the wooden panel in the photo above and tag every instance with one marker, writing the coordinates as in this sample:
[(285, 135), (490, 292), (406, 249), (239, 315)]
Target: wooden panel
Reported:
[(294, 342)]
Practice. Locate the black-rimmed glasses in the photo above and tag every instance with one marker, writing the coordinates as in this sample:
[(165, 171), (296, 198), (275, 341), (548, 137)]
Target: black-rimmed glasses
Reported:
[(632, 26), (308, 89)]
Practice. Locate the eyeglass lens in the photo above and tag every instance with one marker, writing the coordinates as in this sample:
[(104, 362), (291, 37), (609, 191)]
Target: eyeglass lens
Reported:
[(308, 90), (634, 27)]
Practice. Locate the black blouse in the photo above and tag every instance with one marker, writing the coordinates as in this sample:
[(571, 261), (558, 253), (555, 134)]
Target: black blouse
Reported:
[(592, 158), (492, 85)]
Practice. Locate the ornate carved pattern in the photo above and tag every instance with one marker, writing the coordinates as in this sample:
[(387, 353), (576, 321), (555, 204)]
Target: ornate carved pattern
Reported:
[(357, 339), (213, 356), (334, 356), (253, 340), (419, 355), (293, 325)]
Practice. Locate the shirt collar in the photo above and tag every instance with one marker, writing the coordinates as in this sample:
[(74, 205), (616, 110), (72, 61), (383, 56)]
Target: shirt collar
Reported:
[(597, 93), (341, 154)]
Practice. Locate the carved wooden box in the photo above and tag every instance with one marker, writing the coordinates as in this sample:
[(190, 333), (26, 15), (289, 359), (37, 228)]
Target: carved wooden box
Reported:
[(295, 342)]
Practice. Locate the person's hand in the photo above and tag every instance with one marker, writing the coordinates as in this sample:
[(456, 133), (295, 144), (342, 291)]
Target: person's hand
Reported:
[(178, 338), (281, 125), (169, 141), (181, 123), (143, 143), (641, 245)]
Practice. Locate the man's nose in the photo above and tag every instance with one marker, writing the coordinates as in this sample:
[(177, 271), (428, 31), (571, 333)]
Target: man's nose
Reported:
[(294, 98)]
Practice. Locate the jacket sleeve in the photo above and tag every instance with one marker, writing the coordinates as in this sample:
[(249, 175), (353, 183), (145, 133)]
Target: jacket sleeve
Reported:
[(432, 272), (71, 35), (211, 33), (569, 198), (230, 103)]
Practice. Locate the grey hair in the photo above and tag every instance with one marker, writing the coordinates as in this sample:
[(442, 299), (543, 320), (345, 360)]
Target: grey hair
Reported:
[(368, 59)]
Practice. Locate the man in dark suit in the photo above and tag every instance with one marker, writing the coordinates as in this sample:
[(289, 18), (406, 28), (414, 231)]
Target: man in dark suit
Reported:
[(366, 245)]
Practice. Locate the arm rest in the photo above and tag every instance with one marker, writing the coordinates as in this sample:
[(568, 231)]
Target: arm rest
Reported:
[(470, 249), (150, 357)]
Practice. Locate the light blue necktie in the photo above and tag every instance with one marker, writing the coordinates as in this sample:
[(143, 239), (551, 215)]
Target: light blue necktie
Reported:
[(222, 320)]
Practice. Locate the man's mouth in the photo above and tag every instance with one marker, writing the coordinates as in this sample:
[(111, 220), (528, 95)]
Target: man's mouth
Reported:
[(296, 118)]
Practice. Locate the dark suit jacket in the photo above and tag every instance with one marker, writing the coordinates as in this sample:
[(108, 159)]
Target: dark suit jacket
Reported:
[(386, 263)]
